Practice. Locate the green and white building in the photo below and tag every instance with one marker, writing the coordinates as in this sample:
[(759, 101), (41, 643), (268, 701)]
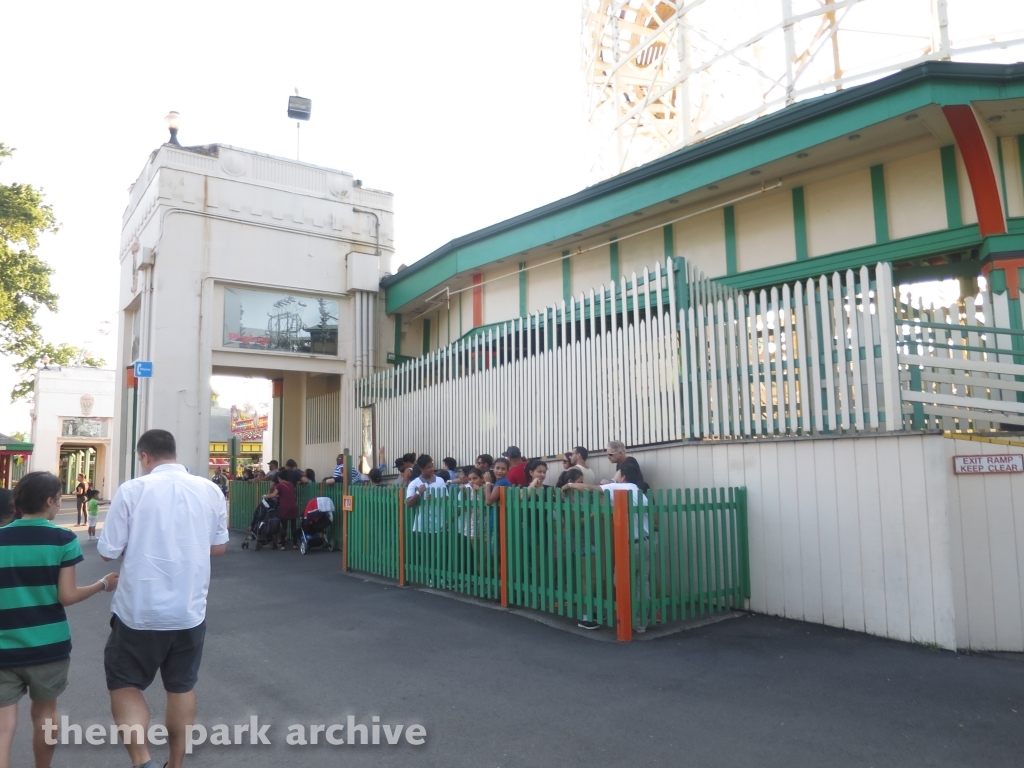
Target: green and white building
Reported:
[(733, 311)]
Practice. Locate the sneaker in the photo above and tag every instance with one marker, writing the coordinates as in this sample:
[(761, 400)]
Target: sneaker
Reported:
[(588, 625), (639, 630)]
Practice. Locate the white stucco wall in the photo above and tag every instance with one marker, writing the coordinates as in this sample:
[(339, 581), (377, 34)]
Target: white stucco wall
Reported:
[(58, 395), (914, 195), (200, 221), (764, 231), (839, 213)]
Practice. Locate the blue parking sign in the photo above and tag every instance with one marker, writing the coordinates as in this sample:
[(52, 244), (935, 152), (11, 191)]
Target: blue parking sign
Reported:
[(143, 369)]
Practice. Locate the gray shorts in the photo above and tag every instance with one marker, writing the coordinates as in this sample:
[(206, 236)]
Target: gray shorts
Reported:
[(133, 656), (42, 682)]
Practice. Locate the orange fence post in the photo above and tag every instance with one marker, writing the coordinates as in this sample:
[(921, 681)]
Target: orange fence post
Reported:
[(344, 540), (503, 546), (401, 539), (344, 512), (623, 592)]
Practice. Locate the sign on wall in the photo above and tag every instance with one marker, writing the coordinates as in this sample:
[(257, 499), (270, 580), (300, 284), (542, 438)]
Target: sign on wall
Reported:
[(982, 465), (247, 425)]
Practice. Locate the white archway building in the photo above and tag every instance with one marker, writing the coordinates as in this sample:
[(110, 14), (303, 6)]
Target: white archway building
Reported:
[(236, 262)]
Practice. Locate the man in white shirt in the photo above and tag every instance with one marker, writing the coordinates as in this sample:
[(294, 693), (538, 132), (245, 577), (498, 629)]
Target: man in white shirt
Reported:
[(166, 524)]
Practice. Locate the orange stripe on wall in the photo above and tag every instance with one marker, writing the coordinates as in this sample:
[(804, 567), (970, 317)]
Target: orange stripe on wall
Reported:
[(971, 143), (478, 300)]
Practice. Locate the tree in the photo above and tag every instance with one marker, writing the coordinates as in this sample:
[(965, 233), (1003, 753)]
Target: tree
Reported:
[(25, 284)]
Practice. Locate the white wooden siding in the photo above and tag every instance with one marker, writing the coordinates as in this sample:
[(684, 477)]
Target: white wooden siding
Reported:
[(986, 515), (848, 531)]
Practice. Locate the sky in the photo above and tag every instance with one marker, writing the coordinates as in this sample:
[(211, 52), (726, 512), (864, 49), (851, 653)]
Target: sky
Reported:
[(469, 112)]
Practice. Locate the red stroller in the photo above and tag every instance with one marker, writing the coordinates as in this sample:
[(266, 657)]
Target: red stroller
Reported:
[(317, 518)]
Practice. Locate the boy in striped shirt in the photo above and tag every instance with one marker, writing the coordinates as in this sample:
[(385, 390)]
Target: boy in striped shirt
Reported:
[(37, 579)]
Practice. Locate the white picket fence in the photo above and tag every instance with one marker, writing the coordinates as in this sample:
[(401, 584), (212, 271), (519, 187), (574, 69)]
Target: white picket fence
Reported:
[(816, 357), (958, 372), (670, 355), (602, 367)]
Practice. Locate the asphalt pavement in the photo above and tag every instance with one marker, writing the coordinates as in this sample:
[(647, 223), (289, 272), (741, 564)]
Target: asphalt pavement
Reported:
[(291, 640)]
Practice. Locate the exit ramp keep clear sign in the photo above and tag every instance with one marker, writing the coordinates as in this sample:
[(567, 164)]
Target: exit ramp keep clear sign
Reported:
[(982, 465)]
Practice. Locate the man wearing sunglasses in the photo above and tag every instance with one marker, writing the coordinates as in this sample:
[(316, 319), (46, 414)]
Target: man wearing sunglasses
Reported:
[(617, 456)]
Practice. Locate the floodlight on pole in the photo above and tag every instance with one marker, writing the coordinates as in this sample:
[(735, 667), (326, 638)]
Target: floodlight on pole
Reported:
[(299, 108), (173, 121)]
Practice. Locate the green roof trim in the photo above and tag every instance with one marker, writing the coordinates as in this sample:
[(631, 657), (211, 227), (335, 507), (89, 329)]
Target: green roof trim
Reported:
[(879, 205), (16, 447), (951, 187), (780, 134), (929, 244)]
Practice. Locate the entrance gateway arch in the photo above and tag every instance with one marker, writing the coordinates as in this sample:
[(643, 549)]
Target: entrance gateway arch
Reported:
[(238, 263)]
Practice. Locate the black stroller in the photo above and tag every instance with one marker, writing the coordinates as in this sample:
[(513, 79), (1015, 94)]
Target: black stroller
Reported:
[(265, 526), (317, 518)]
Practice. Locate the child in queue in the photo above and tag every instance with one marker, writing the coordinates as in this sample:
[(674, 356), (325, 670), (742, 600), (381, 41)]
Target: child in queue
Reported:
[(491, 490), (537, 472), (574, 475)]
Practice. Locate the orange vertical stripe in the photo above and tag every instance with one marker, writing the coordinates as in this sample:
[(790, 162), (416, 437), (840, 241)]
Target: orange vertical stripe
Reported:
[(971, 143), (478, 300), (503, 547), (623, 593), (401, 538), (344, 540), (344, 514)]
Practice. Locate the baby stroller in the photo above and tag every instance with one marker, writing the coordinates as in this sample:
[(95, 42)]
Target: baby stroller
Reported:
[(316, 520), (265, 526)]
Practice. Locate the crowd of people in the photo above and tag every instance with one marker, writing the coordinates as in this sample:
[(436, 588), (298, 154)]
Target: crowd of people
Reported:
[(511, 469), (487, 476), (484, 480)]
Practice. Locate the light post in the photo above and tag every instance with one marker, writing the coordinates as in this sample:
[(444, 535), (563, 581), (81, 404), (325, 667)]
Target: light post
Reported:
[(173, 121), (299, 108)]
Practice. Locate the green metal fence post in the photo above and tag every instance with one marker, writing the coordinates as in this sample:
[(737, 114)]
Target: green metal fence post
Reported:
[(916, 386), (741, 500), (401, 538)]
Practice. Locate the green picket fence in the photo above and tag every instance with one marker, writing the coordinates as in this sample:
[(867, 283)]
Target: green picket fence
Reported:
[(333, 491), (243, 498), (451, 543), (689, 554), (372, 544), (560, 553), (688, 549)]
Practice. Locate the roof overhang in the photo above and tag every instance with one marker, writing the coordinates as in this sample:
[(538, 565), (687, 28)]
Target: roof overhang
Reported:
[(741, 159)]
